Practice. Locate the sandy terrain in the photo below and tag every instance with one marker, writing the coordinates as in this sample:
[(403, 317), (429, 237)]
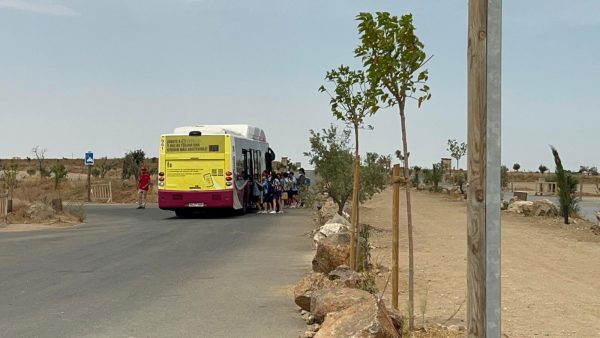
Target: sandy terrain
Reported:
[(550, 272), (31, 227)]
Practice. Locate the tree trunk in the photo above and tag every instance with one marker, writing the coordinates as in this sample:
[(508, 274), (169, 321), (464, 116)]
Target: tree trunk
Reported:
[(9, 203), (340, 207), (411, 304), (355, 240)]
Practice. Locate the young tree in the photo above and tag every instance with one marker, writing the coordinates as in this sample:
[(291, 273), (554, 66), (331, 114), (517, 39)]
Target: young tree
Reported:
[(351, 100), (394, 57), (460, 179), (104, 166), (375, 175), (542, 168), (40, 156), (415, 180), (516, 167), (435, 175), (59, 172), (504, 176), (457, 150), (132, 163), (9, 178), (567, 189), (332, 158)]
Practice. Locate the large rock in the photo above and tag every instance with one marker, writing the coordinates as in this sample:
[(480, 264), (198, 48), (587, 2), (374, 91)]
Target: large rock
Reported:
[(334, 299), (328, 230), (544, 207), (331, 253), (312, 282), (397, 319), (339, 219), (367, 319), (346, 276), (521, 207)]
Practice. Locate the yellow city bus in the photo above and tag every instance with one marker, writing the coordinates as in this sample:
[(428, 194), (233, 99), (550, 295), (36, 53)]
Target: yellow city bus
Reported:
[(211, 166)]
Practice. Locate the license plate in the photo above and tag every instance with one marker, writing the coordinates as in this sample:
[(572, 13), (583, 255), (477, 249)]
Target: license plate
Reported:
[(192, 205)]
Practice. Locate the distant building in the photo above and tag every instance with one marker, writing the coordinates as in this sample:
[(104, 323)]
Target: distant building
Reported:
[(446, 164)]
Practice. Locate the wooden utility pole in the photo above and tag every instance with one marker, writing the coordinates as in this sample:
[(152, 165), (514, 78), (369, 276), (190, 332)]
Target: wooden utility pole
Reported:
[(483, 196), (395, 232)]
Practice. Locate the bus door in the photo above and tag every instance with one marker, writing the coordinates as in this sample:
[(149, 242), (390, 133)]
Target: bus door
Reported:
[(249, 170)]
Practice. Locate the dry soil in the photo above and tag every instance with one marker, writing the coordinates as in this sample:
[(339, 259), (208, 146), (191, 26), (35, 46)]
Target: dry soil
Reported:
[(550, 272)]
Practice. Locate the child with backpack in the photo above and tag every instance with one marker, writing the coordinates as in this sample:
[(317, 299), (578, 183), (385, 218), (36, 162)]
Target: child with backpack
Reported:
[(267, 190)]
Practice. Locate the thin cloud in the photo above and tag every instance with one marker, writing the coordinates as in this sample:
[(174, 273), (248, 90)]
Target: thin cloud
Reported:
[(28, 6)]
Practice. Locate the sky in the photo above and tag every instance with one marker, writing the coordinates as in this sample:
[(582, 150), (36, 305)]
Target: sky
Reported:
[(111, 76)]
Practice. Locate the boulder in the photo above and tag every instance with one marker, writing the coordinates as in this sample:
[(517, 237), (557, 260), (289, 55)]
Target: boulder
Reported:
[(318, 236), (521, 207), (328, 230), (339, 219), (333, 228), (545, 207), (365, 319), (331, 253), (397, 319), (310, 283), (334, 299), (346, 276)]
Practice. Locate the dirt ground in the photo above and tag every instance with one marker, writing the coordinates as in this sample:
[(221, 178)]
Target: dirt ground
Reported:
[(550, 271)]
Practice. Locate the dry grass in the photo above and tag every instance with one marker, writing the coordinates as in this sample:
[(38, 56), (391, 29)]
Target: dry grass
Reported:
[(33, 190)]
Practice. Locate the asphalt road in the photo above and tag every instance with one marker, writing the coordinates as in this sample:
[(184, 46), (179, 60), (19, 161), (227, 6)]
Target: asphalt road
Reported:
[(145, 273)]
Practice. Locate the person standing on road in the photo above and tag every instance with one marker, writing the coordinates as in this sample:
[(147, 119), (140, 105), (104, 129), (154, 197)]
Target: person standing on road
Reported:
[(256, 188), (143, 187), (277, 189), (267, 193), (301, 186)]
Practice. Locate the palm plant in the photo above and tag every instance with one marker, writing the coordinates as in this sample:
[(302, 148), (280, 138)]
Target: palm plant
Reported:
[(567, 189)]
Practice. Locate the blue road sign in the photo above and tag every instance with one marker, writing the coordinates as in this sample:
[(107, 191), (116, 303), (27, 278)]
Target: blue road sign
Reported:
[(89, 158)]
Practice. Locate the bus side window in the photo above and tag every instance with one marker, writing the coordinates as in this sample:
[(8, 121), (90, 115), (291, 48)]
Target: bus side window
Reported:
[(250, 171), (244, 174), (255, 162)]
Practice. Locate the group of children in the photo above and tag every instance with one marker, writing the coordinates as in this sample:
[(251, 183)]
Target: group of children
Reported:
[(274, 191)]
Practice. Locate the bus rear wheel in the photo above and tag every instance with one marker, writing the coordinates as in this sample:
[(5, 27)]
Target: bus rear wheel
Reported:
[(182, 213)]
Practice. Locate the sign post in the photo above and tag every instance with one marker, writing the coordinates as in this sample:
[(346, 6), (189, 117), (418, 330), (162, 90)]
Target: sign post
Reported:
[(89, 162)]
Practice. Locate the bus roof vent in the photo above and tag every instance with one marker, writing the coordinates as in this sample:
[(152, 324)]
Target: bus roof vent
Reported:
[(195, 133)]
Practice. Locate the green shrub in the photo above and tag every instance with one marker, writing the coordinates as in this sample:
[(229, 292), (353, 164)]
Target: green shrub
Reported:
[(364, 252), (504, 176), (368, 283)]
